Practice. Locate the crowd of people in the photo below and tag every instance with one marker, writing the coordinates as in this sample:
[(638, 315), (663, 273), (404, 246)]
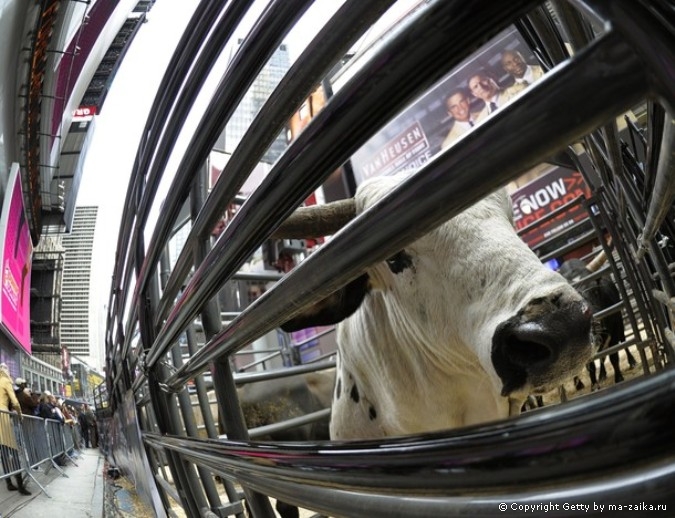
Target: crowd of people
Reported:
[(490, 96), (16, 396)]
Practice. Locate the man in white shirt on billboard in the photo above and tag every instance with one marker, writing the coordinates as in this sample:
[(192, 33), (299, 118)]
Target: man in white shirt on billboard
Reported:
[(523, 74), (458, 105)]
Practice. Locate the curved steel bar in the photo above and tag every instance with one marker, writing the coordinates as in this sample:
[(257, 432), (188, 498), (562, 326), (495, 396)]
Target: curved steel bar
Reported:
[(330, 45), (255, 50), (410, 63), (663, 194), (161, 142), (243, 379), (592, 437), (178, 66), (157, 149), (592, 496), (280, 426), (432, 196), (649, 31)]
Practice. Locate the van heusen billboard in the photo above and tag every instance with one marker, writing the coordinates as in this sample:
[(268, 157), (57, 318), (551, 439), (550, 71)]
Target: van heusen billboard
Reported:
[(428, 125), (488, 80), (17, 252)]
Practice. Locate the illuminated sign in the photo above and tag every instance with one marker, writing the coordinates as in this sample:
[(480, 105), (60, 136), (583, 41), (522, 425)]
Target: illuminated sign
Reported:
[(17, 251), (545, 194)]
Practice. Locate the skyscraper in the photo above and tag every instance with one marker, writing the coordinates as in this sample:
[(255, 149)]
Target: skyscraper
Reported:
[(250, 105), (76, 281)]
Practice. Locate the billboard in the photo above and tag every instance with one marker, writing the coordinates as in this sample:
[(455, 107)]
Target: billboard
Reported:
[(486, 81), (550, 191), (17, 252)]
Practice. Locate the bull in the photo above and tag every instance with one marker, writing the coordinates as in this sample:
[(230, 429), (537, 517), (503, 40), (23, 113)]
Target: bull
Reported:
[(456, 329), (601, 293)]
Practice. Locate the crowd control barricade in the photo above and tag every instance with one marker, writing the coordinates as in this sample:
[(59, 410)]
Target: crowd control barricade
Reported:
[(68, 432), (36, 442), (57, 443), (22, 446)]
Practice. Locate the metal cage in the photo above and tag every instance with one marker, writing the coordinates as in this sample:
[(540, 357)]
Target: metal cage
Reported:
[(169, 348)]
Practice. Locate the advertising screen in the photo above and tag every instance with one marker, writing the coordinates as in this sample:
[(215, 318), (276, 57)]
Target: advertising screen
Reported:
[(480, 85), (17, 251), (553, 189)]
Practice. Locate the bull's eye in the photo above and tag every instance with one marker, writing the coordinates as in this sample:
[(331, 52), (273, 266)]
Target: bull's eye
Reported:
[(399, 262)]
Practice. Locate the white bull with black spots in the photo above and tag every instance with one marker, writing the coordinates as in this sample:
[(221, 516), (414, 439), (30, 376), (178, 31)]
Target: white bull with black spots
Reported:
[(456, 329)]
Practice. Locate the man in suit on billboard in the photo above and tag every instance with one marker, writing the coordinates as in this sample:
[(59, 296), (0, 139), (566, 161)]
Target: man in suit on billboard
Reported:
[(523, 74), (458, 105)]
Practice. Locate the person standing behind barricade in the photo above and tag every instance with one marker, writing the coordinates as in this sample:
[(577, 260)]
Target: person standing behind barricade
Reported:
[(70, 421), (9, 449), (25, 397), (93, 427), (45, 408)]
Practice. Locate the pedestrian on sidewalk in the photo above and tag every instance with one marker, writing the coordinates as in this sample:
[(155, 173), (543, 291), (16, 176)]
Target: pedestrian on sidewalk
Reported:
[(88, 423)]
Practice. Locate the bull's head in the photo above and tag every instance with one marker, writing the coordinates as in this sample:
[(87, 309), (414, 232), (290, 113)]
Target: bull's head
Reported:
[(469, 289)]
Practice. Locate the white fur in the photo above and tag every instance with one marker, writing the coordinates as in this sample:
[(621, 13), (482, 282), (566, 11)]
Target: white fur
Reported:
[(419, 347)]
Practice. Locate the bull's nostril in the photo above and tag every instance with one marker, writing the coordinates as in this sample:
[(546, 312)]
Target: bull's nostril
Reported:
[(525, 353), (539, 344)]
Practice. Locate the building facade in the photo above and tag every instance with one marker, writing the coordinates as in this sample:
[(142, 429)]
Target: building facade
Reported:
[(76, 282), (250, 105)]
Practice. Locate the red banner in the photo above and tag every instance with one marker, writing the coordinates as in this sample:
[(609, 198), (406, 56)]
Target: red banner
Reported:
[(544, 195)]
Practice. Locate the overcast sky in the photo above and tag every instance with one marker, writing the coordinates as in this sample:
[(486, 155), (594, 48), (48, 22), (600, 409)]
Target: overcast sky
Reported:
[(118, 127), (114, 143)]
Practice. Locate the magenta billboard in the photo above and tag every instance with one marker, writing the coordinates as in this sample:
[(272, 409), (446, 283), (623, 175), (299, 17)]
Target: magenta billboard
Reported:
[(17, 252)]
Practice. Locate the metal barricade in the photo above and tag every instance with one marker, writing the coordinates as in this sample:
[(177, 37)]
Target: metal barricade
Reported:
[(21, 446), (9, 445), (36, 443), (57, 446)]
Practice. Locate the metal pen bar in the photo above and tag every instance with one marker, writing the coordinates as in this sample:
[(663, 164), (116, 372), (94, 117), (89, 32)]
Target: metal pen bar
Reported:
[(255, 50), (185, 52), (313, 417), (406, 66), (327, 48), (431, 197), (521, 452), (253, 377)]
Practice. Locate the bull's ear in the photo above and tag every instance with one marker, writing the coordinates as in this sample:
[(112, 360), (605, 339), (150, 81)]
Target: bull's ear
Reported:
[(332, 309)]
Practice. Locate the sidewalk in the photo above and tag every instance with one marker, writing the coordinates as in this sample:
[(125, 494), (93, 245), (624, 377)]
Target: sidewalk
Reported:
[(79, 494)]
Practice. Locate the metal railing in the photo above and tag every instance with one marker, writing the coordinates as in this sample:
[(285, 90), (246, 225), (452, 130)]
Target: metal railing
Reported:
[(602, 62), (29, 444)]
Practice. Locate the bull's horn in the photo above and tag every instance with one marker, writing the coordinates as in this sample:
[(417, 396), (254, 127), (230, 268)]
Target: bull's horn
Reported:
[(596, 263), (316, 220)]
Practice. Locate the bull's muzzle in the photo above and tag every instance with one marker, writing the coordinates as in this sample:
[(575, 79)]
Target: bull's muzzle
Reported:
[(546, 343)]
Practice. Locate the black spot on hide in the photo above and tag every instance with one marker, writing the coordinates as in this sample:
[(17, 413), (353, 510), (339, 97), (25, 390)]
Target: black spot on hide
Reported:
[(399, 262), (372, 413), (354, 394), (338, 388)]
